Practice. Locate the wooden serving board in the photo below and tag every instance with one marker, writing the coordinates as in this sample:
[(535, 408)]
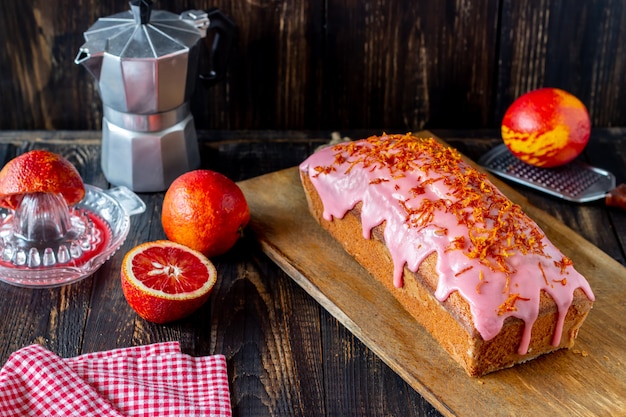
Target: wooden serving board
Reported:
[(589, 380)]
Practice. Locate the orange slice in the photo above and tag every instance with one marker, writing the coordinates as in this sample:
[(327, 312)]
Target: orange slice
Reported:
[(39, 171), (164, 281)]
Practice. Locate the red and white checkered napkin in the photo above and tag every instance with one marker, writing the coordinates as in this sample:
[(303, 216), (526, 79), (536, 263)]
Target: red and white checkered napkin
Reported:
[(151, 380)]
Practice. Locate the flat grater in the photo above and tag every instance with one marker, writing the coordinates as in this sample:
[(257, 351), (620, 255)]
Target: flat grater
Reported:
[(575, 181)]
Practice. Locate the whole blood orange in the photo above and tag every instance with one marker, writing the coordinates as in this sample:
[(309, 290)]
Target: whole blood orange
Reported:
[(547, 127), (39, 171), (165, 281), (206, 211)]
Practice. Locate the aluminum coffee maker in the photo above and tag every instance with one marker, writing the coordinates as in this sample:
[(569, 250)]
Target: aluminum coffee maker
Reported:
[(146, 63)]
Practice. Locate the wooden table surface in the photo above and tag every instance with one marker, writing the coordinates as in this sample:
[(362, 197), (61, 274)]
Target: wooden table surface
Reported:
[(286, 355)]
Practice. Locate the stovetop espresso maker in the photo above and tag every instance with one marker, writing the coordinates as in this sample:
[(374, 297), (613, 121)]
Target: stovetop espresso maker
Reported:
[(146, 63)]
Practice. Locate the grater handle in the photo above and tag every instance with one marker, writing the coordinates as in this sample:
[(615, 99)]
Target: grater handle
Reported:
[(617, 197)]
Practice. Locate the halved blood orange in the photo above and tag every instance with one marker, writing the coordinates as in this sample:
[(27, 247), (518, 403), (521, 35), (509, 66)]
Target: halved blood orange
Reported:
[(39, 171), (164, 281)]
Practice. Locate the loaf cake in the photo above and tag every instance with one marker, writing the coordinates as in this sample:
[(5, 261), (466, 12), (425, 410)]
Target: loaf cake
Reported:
[(459, 256)]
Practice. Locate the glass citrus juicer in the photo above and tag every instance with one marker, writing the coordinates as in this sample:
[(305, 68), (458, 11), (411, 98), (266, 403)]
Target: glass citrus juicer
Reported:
[(46, 243)]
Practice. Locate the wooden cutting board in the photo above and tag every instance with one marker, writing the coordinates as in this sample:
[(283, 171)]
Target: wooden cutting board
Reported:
[(589, 380)]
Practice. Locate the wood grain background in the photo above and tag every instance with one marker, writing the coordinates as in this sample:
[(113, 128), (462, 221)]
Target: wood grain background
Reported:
[(339, 64)]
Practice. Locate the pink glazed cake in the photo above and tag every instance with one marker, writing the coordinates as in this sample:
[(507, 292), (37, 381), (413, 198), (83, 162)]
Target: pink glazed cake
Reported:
[(460, 257)]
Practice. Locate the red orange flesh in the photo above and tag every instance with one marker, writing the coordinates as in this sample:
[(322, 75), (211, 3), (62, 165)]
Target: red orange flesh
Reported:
[(164, 281)]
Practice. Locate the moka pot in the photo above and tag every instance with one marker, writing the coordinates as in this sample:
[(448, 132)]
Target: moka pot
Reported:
[(146, 63)]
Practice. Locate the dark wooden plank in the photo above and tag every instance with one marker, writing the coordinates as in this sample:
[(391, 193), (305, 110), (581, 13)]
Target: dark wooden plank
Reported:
[(41, 86), (109, 313), (274, 73), (407, 64), (324, 65), (357, 383), (53, 318), (245, 159), (607, 150), (552, 44), (280, 350)]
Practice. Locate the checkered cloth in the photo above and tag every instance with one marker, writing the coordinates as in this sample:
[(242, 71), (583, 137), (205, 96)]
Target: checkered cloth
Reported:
[(151, 380)]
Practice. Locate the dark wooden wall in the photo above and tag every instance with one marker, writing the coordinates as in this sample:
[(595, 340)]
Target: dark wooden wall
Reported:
[(339, 64)]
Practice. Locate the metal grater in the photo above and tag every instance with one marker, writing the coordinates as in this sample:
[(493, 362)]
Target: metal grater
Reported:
[(575, 181)]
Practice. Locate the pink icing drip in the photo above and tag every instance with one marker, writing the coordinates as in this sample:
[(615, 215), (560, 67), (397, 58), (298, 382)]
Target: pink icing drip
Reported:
[(382, 192)]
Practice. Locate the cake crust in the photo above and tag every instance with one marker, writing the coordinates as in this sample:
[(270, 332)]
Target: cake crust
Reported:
[(449, 321)]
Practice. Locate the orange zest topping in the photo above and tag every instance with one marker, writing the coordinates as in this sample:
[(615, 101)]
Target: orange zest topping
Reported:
[(481, 281), (509, 304), (323, 170), (563, 264), (467, 268), (378, 180), (543, 273)]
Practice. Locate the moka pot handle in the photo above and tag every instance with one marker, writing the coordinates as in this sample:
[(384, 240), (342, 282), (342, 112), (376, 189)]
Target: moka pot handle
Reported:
[(224, 30)]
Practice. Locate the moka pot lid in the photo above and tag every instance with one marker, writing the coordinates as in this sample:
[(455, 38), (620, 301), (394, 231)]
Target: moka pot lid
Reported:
[(143, 33)]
